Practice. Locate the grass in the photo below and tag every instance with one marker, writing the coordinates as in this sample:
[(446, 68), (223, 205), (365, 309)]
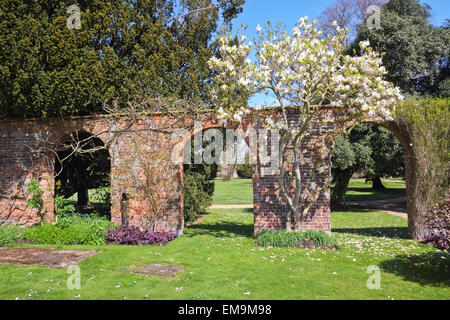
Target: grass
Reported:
[(235, 191), (359, 190), (95, 195), (222, 262), (240, 191)]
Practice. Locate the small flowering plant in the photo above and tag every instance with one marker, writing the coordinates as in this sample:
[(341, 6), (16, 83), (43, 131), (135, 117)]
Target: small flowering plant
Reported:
[(302, 69)]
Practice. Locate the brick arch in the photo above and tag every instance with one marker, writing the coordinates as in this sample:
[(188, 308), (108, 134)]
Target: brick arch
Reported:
[(152, 138), (91, 138), (241, 127), (415, 209)]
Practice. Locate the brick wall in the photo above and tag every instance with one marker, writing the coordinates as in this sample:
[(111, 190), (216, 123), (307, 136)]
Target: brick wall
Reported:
[(146, 186)]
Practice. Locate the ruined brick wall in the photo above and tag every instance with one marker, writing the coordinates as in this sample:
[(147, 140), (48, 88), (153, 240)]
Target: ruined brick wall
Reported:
[(146, 186)]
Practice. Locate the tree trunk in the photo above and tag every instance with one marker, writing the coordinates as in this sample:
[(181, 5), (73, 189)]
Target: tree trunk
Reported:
[(83, 197), (377, 185), (340, 188), (229, 171)]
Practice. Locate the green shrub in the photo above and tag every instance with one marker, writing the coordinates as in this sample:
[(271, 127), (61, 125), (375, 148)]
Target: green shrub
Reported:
[(75, 229), (426, 123), (63, 207), (283, 238), (319, 237), (36, 200), (9, 234), (196, 200), (244, 171), (279, 238)]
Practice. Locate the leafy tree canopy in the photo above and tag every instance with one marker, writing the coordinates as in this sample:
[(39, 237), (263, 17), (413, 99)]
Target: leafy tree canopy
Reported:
[(416, 52), (124, 48)]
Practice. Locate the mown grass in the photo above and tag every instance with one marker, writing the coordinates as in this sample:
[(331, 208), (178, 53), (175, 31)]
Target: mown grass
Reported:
[(359, 190), (235, 191), (240, 191), (222, 262)]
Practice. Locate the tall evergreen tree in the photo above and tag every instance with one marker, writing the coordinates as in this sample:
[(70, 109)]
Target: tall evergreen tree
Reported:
[(124, 48)]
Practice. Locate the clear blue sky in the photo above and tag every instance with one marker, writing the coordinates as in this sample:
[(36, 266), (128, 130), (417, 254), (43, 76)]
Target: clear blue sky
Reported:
[(289, 11)]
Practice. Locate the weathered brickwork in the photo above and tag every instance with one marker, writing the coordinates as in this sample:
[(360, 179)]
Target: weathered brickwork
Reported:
[(146, 186)]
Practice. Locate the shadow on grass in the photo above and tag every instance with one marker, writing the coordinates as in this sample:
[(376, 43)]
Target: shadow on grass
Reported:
[(429, 268), (389, 232), (353, 208), (388, 193), (221, 230)]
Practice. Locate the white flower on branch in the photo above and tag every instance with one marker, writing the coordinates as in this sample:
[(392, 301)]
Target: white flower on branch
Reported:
[(301, 69)]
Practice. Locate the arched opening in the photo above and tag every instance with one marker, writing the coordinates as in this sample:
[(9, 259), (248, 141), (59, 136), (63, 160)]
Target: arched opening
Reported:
[(220, 174), (82, 173), (368, 172)]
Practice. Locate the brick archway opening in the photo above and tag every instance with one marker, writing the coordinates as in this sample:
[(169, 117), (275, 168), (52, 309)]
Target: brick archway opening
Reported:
[(360, 158), (82, 171), (210, 167), (369, 151)]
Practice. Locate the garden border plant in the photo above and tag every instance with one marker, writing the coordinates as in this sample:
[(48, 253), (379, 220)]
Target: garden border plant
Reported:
[(310, 239)]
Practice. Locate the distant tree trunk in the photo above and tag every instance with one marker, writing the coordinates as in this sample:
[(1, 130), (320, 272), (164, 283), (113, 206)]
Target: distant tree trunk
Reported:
[(377, 184), (82, 185), (340, 188), (229, 171), (83, 197)]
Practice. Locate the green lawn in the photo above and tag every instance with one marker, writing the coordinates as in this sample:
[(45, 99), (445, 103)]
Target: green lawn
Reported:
[(359, 190), (222, 262), (95, 195), (240, 191), (235, 191)]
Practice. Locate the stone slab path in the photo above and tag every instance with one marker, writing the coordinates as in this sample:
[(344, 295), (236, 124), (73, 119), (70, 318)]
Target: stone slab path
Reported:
[(44, 256), (159, 269)]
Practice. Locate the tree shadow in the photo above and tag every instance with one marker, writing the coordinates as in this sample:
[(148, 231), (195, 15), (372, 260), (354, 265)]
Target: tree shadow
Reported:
[(429, 268), (353, 208), (385, 194), (389, 232)]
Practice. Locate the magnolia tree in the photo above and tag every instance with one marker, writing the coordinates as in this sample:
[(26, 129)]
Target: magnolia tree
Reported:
[(303, 69)]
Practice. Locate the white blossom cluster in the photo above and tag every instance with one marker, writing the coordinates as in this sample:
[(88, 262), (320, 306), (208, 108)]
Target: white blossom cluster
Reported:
[(301, 69)]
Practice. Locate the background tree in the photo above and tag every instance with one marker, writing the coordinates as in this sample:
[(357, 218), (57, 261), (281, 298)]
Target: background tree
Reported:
[(347, 158), (347, 14), (387, 157), (77, 172), (416, 52), (124, 49)]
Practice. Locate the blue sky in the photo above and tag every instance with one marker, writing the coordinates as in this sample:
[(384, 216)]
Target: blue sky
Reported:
[(289, 11)]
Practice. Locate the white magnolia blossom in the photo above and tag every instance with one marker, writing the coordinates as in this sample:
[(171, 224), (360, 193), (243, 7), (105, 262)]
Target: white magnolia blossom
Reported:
[(303, 68)]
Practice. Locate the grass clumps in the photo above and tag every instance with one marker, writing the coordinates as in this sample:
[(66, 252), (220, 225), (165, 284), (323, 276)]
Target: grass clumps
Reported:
[(9, 235), (74, 229), (307, 239)]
